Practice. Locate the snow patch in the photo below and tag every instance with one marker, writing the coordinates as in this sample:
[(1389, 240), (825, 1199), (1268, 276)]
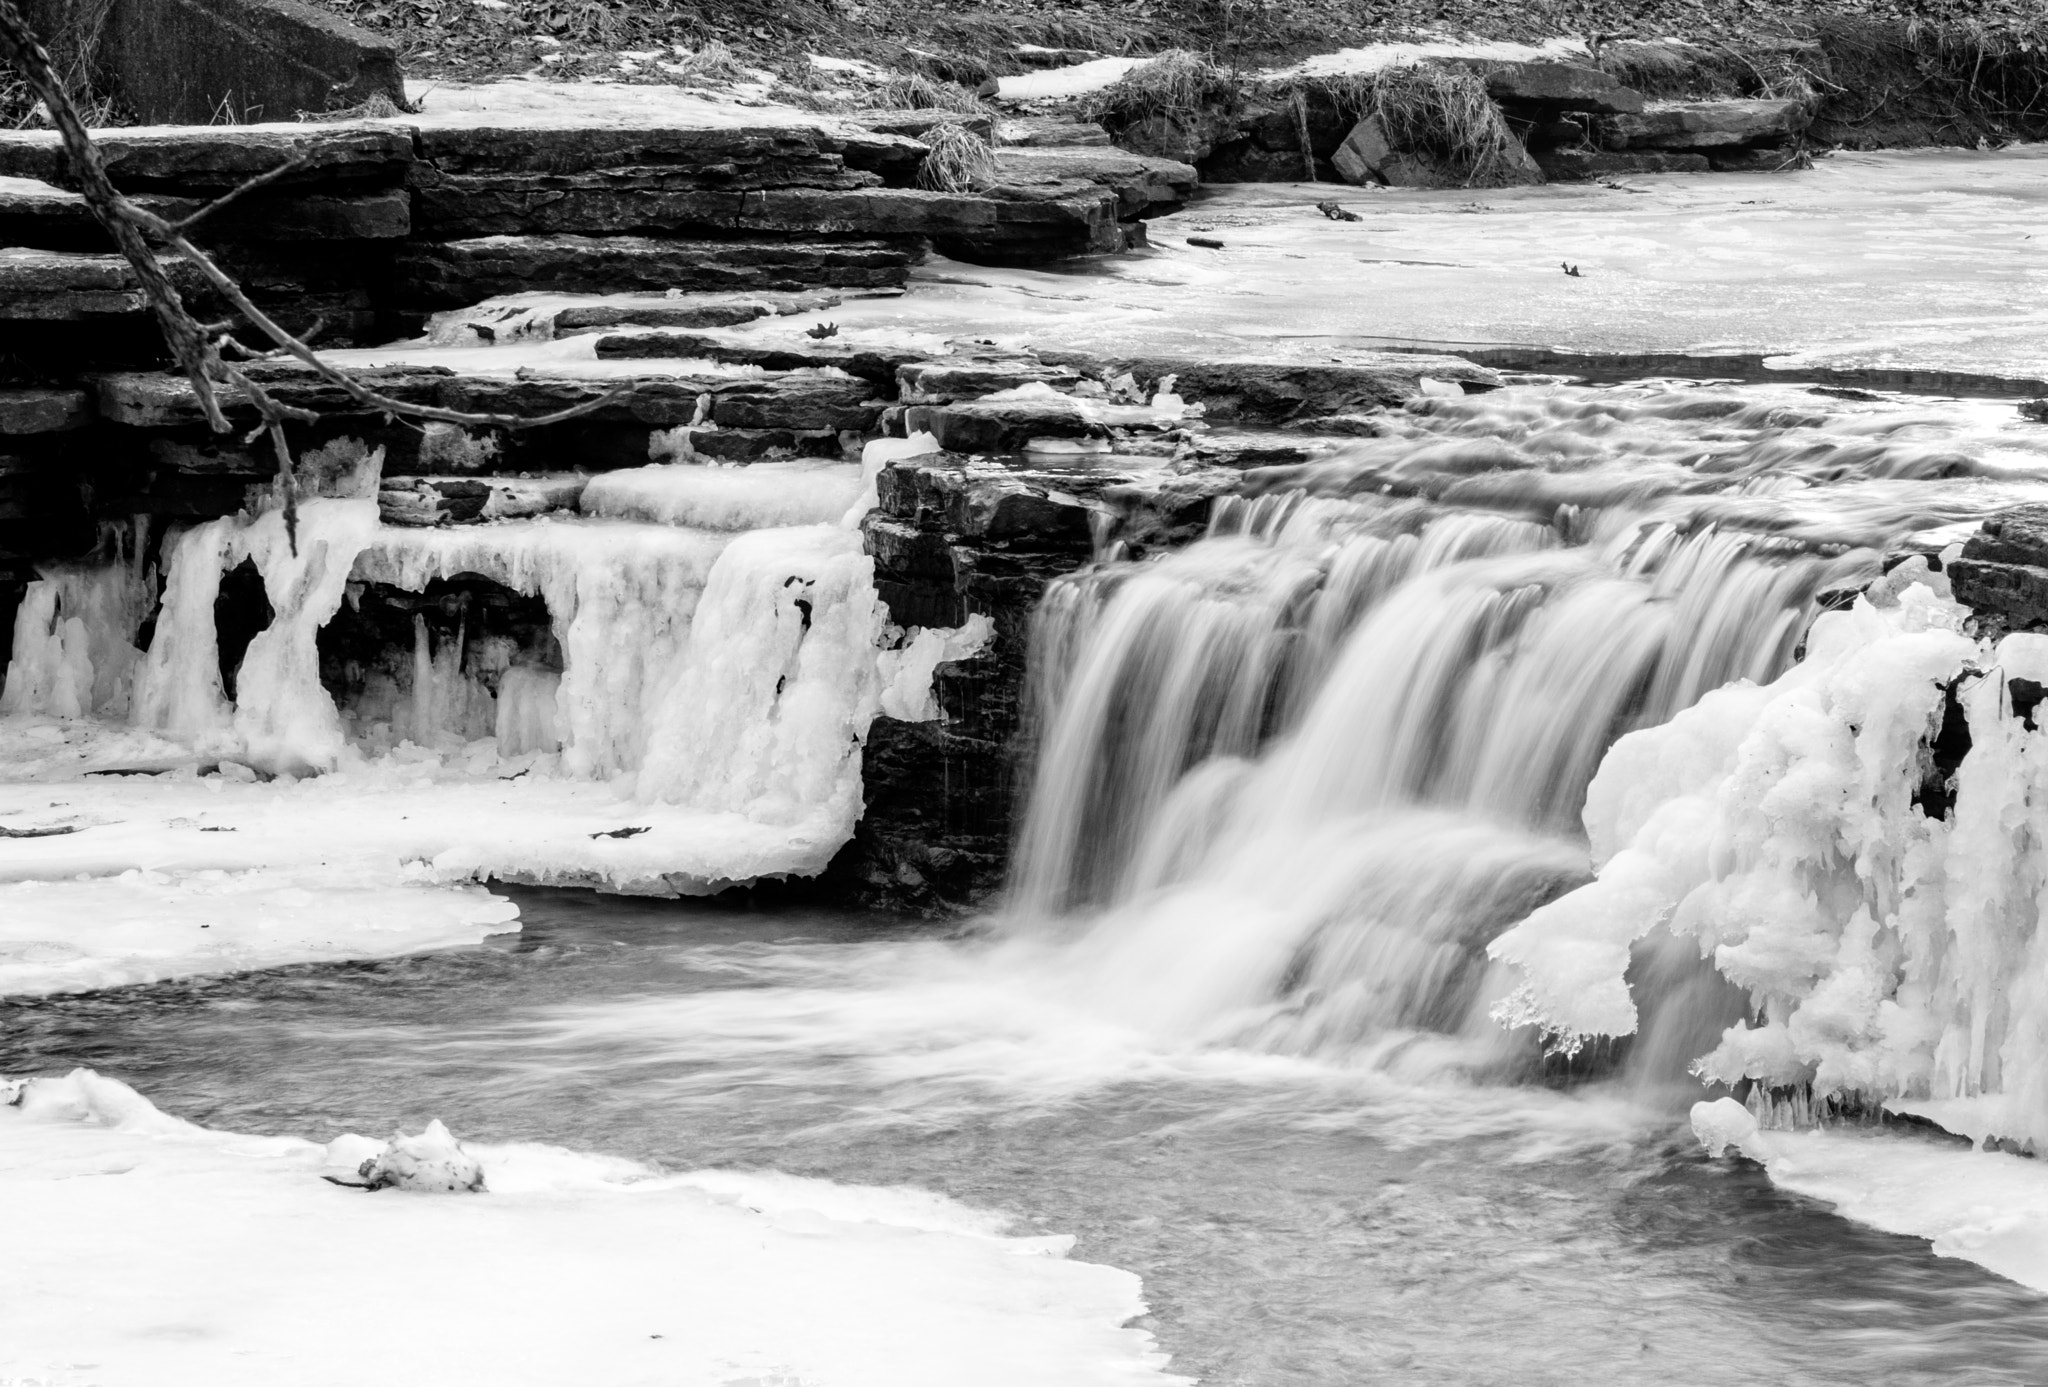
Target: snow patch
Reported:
[(164, 1254)]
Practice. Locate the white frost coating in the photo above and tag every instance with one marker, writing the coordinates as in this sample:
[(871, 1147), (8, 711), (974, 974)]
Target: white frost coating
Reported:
[(1722, 1124), (876, 455), (73, 652), (1890, 952), (907, 672), (620, 596), (704, 497), (778, 686), (215, 1259), (149, 926)]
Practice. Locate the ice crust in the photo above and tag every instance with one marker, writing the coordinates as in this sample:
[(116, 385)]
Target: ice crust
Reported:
[(698, 724), (162, 1253), (727, 498), (1888, 951)]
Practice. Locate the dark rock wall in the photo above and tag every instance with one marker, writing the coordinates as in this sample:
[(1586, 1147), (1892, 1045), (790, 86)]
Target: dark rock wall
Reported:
[(194, 62)]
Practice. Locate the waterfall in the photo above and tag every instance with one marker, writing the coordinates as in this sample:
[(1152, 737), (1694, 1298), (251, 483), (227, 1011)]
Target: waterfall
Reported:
[(1291, 781)]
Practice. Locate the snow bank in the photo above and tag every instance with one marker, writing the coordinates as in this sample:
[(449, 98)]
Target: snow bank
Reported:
[(727, 498), (1378, 57), (1057, 83), (145, 1250), (1891, 945)]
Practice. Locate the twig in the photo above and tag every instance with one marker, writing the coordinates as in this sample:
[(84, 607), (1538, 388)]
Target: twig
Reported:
[(289, 166)]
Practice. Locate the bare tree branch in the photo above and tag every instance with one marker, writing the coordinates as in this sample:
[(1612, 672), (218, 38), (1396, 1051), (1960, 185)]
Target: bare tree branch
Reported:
[(288, 167), (195, 346)]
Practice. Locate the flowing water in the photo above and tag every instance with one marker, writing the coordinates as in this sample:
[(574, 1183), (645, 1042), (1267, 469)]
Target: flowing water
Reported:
[(1232, 1025), (1296, 1222)]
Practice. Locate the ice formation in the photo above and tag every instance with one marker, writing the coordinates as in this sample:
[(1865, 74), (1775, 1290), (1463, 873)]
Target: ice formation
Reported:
[(163, 1253), (1820, 840), (680, 706)]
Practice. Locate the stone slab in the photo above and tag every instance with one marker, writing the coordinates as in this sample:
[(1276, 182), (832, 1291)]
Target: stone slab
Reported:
[(507, 147), (1579, 165), (873, 363), (1550, 87), (1703, 124), (216, 157), (1144, 184), (941, 382), (916, 124), (1050, 132), (466, 271), (43, 410), (692, 310), (799, 402), (48, 285), (1278, 391)]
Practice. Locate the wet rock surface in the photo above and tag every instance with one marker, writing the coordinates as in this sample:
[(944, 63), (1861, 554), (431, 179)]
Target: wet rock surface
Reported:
[(1693, 125), (2002, 572)]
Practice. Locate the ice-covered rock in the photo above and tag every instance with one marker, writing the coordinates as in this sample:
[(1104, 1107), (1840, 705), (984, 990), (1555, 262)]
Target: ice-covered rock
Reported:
[(1858, 844), (431, 1163), (1722, 1124)]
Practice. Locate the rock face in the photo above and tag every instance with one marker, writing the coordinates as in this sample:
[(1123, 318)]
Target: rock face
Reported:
[(2003, 572), (951, 540), (1281, 392), (1694, 125), (1572, 165), (217, 157), (193, 60), (1532, 88), (449, 274)]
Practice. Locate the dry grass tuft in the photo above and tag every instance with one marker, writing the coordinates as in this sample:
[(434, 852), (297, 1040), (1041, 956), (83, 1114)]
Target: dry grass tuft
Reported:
[(712, 65), (1177, 83), (914, 91), (1441, 113), (960, 161)]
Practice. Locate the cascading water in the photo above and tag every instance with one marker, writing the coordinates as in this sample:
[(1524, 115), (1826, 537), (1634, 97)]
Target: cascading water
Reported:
[(1292, 780)]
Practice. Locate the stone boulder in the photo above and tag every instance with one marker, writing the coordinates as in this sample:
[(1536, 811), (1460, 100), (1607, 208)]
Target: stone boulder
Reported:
[(1369, 156), (1548, 88), (1186, 139), (1704, 124), (1005, 426), (2002, 573)]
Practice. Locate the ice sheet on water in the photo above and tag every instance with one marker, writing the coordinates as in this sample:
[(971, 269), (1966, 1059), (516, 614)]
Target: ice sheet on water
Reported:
[(147, 926), (162, 1253)]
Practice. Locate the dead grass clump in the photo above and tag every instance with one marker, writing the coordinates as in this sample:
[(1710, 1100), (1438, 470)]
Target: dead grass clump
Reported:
[(712, 65), (1176, 84), (914, 91), (1440, 113), (960, 161)]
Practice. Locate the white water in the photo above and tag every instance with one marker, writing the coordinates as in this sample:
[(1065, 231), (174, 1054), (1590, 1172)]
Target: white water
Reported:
[(1293, 780)]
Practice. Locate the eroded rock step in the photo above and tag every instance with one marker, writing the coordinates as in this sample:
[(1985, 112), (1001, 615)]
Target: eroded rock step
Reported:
[(452, 274)]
